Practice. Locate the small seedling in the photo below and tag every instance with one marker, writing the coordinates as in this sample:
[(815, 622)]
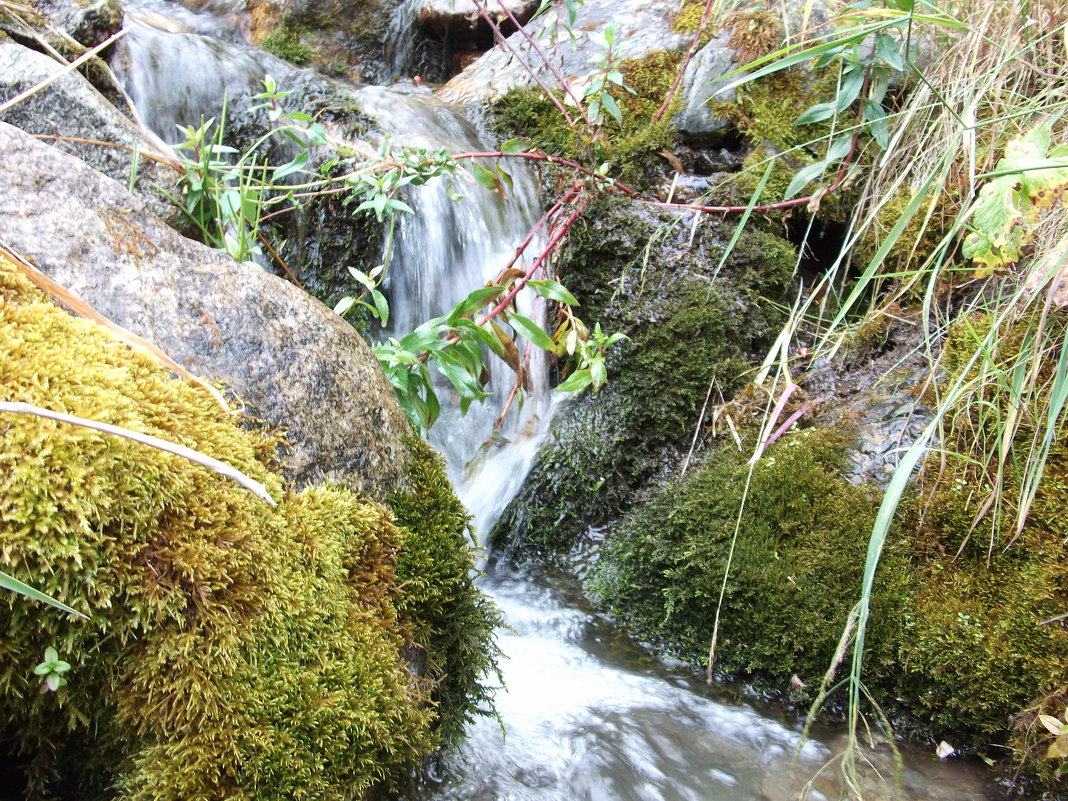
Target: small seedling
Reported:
[(51, 670)]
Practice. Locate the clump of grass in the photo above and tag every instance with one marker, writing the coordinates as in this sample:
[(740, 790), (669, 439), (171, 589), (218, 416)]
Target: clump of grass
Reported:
[(980, 79)]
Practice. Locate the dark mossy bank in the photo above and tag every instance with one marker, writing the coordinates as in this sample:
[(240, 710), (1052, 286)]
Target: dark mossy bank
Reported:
[(234, 649), (690, 323)]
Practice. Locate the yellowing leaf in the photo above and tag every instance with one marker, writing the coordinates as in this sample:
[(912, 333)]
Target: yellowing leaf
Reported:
[(1053, 725), (1058, 749), (1029, 177)]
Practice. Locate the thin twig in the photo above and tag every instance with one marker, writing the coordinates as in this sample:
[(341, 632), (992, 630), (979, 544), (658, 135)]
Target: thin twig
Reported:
[(694, 46), (88, 54), (484, 12), (278, 258), (253, 486)]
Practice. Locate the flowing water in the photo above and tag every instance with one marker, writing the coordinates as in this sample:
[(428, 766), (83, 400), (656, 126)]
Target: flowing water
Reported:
[(586, 714)]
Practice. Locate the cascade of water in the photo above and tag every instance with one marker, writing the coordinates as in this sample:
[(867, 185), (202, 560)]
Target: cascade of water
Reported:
[(441, 254), (400, 39), (178, 65), (177, 71)]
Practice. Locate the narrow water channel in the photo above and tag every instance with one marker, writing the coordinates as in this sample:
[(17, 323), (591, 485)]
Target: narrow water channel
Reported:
[(586, 715)]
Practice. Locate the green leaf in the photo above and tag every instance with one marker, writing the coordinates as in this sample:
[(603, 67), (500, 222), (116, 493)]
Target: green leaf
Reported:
[(513, 146), (531, 331), (317, 135), (852, 83), (298, 163), (610, 106), (887, 51), (51, 655), (875, 119), (474, 301), (393, 204), (578, 380), (43, 669), (487, 178), (464, 382), (598, 373), (381, 306), (817, 113), (10, 583), (802, 178), (554, 291)]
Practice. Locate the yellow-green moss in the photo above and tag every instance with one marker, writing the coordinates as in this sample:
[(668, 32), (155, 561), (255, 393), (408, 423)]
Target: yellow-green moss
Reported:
[(234, 650), (450, 622), (631, 148), (287, 43)]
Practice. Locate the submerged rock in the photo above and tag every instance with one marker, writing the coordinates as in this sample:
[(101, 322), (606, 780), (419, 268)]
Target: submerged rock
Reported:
[(294, 362)]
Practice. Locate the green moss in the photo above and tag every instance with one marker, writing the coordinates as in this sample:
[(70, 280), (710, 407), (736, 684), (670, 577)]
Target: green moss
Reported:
[(451, 623), (288, 44), (685, 331), (631, 148), (796, 567), (234, 650)]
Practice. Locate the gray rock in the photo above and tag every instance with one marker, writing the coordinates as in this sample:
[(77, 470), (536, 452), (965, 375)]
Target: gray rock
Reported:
[(701, 85), (643, 27), (71, 108), (294, 362), (704, 82)]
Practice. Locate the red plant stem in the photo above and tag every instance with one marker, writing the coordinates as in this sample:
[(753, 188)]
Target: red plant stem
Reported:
[(784, 204), (564, 83), (694, 46), (496, 154), (793, 418), (484, 12), (554, 240), (567, 198)]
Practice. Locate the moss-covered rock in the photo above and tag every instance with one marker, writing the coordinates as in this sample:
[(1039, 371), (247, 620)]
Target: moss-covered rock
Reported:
[(795, 569), (632, 147), (234, 649), (452, 623), (632, 270)]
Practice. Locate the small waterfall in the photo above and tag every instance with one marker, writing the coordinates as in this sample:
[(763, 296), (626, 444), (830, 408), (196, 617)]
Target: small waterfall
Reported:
[(440, 254), (400, 38), (178, 65)]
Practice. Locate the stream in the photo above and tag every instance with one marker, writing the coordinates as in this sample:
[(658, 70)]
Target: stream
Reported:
[(586, 714)]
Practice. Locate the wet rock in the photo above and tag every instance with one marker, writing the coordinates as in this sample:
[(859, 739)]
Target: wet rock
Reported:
[(297, 365), (642, 28), (647, 273), (89, 23), (71, 109), (705, 81), (701, 85), (459, 24), (338, 38)]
